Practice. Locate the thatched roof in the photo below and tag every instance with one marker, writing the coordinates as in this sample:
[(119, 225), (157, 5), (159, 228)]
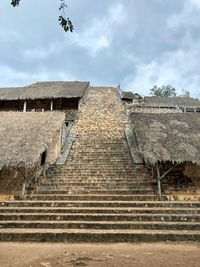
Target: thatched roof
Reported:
[(44, 90), (127, 95), (25, 136), (168, 137), (130, 95), (173, 102)]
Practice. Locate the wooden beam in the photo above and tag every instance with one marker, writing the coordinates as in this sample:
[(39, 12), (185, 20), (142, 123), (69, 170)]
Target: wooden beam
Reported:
[(167, 172)]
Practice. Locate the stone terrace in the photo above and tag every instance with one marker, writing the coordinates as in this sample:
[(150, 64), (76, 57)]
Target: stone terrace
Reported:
[(99, 194)]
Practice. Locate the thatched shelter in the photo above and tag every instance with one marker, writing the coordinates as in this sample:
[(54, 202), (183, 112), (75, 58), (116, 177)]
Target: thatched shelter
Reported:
[(129, 96), (185, 103), (29, 143), (168, 138), (45, 90), (43, 96), (25, 136)]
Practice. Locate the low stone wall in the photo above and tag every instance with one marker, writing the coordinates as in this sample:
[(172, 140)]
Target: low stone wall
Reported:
[(193, 171), (12, 180), (180, 183), (54, 149), (155, 110)]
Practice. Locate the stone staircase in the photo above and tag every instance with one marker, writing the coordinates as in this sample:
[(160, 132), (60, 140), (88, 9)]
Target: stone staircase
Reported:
[(100, 194)]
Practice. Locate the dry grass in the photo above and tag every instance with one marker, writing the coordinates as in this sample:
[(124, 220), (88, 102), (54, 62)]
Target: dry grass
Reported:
[(168, 137), (44, 90), (25, 136), (181, 102)]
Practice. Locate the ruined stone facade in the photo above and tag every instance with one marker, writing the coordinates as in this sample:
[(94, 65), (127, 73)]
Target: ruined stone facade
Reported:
[(101, 193)]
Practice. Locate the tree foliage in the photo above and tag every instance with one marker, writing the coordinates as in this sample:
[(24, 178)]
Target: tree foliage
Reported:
[(185, 93), (65, 23), (164, 91), (15, 2)]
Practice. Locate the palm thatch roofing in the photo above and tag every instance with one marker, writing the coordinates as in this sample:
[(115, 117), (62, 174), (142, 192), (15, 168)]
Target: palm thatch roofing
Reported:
[(25, 136), (130, 95), (168, 137), (172, 102), (44, 90)]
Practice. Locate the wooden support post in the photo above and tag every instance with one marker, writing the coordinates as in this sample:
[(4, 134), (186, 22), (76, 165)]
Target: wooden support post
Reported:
[(51, 106), (24, 184), (159, 183), (152, 172), (23, 188), (25, 106)]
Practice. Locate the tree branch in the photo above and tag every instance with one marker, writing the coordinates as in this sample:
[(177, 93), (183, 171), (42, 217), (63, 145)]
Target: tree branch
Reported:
[(65, 23)]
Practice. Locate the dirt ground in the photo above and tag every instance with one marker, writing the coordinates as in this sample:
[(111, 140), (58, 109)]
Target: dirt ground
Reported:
[(98, 255)]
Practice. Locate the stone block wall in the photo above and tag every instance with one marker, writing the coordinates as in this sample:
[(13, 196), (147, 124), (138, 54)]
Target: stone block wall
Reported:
[(155, 110), (193, 171), (55, 147)]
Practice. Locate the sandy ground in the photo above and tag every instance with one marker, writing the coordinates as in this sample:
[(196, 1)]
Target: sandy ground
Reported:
[(98, 255)]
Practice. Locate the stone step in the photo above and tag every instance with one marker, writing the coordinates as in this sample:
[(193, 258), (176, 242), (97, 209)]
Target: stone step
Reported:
[(96, 235), (78, 203), (95, 191), (63, 187), (85, 182), (100, 160), (113, 168), (87, 188), (99, 155), (102, 210), (93, 197), (94, 164), (98, 180), (101, 217), (100, 175), (108, 170), (89, 184), (112, 187), (102, 156), (99, 172), (153, 225)]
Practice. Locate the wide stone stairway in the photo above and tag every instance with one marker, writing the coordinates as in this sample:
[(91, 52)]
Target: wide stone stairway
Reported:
[(99, 195)]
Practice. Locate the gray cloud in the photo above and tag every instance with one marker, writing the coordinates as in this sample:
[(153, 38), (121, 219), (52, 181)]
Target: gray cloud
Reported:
[(138, 43)]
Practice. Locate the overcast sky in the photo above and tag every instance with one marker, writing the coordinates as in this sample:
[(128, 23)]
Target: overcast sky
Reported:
[(137, 43)]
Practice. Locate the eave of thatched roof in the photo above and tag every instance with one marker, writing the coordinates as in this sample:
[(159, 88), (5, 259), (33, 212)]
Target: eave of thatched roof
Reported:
[(168, 137), (25, 136), (44, 90), (130, 95), (127, 95), (173, 102)]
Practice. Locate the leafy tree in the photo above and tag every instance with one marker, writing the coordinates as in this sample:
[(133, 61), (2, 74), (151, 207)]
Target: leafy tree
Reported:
[(185, 93), (164, 91), (64, 22)]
